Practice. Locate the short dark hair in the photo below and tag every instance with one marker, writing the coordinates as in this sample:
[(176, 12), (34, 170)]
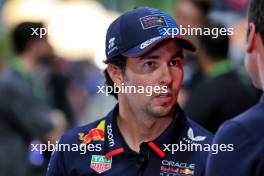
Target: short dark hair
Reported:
[(22, 35), (216, 48), (119, 61), (256, 15)]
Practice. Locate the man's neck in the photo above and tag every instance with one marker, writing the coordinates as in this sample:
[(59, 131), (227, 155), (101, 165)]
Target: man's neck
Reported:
[(137, 128)]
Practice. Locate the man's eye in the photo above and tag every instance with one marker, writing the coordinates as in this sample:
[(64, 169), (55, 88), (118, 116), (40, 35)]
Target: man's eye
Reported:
[(175, 62), (149, 64)]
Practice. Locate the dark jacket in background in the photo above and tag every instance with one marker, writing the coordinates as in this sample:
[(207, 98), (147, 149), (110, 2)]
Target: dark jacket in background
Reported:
[(245, 132), (219, 98), (23, 117)]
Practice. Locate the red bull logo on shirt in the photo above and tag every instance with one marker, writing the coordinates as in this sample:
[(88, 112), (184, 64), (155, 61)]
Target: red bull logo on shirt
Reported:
[(94, 134)]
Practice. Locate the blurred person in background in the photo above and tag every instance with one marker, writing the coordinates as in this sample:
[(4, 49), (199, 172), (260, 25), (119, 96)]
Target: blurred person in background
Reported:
[(24, 113), (191, 14), (59, 83), (87, 79), (232, 13), (223, 93), (72, 88), (228, 11), (246, 130)]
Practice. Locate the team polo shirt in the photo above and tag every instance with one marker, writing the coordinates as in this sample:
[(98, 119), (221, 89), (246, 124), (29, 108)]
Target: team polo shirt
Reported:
[(108, 154)]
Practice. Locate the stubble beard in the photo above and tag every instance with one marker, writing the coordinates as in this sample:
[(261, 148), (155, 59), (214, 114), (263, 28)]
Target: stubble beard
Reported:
[(151, 110)]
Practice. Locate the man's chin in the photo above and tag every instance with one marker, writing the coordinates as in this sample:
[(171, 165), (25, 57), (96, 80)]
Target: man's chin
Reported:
[(165, 104), (162, 110)]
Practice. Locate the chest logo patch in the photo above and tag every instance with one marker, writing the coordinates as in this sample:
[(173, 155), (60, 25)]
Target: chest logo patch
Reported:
[(195, 138), (95, 134), (171, 168), (100, 163)]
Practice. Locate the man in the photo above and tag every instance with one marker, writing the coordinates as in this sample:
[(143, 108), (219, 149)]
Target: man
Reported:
[(191, 14), (222, 87), (135, 137), (24, 115), (246, 130)]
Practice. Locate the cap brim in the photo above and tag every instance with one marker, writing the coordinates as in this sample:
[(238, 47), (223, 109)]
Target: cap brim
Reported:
[(181, 41)]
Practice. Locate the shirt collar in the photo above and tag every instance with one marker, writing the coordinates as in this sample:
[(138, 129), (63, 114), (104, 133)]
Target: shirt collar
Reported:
[(115, 143)]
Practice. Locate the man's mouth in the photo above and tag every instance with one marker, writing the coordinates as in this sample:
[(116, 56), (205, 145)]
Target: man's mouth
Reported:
[(164, 97)]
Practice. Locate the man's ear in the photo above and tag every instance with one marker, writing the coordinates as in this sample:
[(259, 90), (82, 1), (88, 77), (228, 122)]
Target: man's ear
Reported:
[(115, 73), (251, 37)]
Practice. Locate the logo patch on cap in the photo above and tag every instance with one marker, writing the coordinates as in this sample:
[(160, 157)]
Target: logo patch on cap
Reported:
[(111, 45), (149, 42), (152, 21)]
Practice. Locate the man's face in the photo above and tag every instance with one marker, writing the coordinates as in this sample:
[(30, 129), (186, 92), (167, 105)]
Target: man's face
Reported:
[(187, 13), (254, 61), (251, 65), (160, 67), (43, 50)]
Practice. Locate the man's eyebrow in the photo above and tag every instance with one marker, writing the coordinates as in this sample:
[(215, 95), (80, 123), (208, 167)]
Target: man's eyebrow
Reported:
[(148, 56), (178, 54), (151, 56)]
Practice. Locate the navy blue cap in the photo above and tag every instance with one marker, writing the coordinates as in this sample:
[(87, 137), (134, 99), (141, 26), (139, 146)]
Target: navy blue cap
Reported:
[(137, 31)]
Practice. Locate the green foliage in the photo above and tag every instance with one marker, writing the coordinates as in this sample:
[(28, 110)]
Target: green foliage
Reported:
[(123, 5)]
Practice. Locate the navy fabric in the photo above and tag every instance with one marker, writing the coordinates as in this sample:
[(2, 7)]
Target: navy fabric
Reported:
[(128, 162), (245, 132)]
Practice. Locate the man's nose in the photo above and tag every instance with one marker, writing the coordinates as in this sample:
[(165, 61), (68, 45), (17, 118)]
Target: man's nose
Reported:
[(166, 77)]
